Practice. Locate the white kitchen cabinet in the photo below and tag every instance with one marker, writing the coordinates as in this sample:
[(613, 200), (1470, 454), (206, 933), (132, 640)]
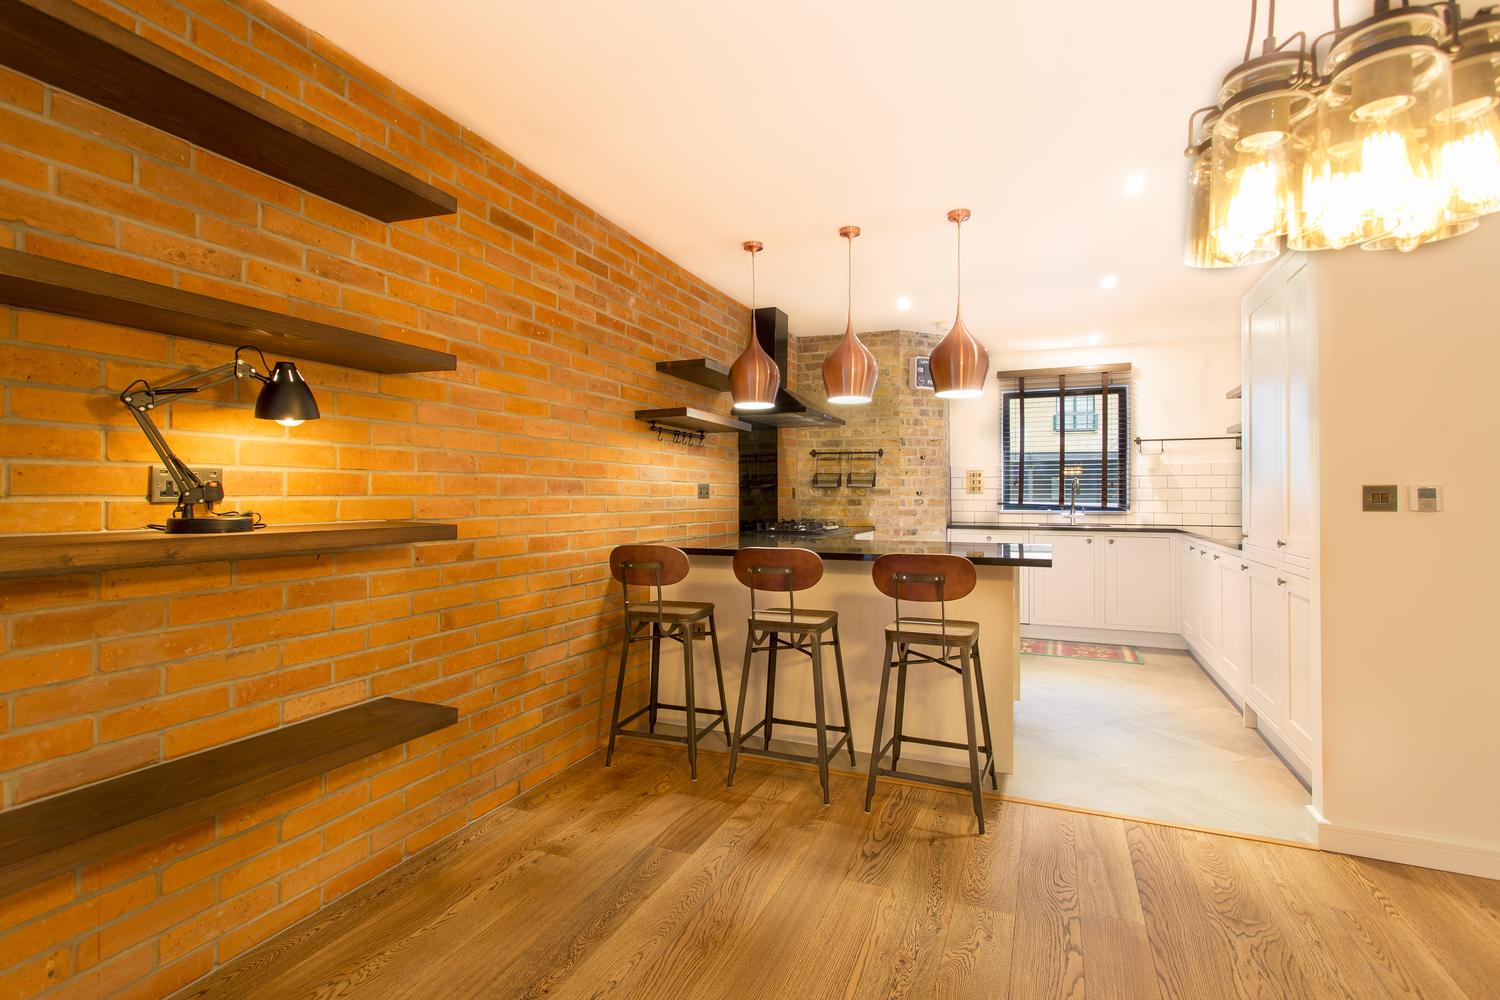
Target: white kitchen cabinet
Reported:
[(1234, 643), (1300, 729), (1137, 582), (1210, 604), (994, 536), (1266, 681), (1067, 593), (1264, 424), (1187, 587), (1280, 440)]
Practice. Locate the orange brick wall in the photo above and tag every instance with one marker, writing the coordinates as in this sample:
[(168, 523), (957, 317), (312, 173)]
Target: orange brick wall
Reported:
[(557, 317)]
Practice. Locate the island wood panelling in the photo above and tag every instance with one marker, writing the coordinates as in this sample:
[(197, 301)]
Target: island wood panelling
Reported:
[(530, 447)]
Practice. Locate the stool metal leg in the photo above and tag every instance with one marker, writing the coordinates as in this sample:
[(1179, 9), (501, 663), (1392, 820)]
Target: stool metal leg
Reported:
[(739, 718), (968, 679), (614, 723), (984, 717), (900, 704), (713, 635), (818, 713), (838, 660), (655, 675), (686, 631), (885, 683), (775, 638)]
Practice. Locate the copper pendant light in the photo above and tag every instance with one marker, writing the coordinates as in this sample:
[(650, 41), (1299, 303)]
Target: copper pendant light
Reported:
[(754, 378), (959, 363), (850, 371)]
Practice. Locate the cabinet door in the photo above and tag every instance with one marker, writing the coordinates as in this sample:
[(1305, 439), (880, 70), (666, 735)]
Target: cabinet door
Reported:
[(1265, 685), (1066, 593), (1138, 582), (1298, 516), (1187, 589), (1234, 644), (1301, 720), (1210, 606), (991, 536), (1265, 386)]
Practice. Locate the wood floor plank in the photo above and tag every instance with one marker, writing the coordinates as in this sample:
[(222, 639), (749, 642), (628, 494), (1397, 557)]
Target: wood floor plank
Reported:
[(1048, 948), (636, 882)]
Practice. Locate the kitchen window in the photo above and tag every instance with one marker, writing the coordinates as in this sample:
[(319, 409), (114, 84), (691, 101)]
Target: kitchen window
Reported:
[(1056, 440)]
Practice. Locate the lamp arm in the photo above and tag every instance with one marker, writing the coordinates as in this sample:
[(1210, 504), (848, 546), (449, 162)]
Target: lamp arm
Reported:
[(140, 401)]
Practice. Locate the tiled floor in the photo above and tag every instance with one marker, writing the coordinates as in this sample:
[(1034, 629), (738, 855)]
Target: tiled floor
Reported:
[(1156, 740)]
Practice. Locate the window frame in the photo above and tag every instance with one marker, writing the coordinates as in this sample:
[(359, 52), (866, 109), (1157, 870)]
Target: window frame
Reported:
[(1122, 433)]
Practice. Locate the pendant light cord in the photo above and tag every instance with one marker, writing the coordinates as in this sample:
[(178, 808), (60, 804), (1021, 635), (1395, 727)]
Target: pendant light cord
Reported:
[(958, 265), (850, 272)]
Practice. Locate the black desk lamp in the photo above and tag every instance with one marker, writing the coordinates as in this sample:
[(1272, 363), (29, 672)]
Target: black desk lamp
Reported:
[(284, 398)]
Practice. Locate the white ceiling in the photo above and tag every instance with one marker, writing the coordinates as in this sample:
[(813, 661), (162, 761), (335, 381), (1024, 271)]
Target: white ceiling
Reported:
[(698, 124)]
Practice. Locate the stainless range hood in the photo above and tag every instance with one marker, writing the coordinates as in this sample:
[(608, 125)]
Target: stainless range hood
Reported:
[(791, 410)]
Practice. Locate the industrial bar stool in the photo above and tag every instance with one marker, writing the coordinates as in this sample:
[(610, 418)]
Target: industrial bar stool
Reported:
[(652, 621), (770, 630), (931, 579)]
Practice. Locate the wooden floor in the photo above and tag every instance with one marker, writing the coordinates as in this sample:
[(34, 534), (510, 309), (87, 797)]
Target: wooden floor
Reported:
[(635, 882)]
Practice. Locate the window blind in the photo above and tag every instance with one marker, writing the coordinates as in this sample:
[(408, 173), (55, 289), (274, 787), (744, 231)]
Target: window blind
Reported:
[(1064, 431)]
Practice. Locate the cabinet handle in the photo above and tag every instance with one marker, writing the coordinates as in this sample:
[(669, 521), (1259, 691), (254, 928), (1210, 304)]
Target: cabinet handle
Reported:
[(1244, 566), (1091, 541), (1280, 582), (1216, 558), (1111, 541), (1191, 549), (1280, 544)]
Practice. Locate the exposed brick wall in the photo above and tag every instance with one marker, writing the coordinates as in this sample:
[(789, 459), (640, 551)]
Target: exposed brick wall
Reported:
[(910, 496), (557, 317)]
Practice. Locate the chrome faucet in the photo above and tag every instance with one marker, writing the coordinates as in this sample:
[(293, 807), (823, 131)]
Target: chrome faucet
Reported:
[(1073, 516)]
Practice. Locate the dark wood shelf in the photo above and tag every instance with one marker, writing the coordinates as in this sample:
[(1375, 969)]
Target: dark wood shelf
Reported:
[(70, 47), (88, 551), (685, 418), (31, 282), (57, 834), (699, 371)]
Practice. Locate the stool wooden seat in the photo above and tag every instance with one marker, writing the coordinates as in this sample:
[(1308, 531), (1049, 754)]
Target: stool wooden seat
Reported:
[(931, 579), (801, 630), (683, 622)]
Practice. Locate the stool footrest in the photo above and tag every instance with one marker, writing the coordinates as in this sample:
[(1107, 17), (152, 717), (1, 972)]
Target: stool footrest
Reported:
[(927, 779), (987, 754), (812, 758)]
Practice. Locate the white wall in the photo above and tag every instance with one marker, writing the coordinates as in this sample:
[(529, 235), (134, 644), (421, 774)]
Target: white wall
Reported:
[(1409, 364), (1178, 389)]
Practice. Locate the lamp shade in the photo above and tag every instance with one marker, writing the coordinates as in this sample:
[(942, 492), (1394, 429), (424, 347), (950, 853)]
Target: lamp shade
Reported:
[(850, 371), (754, 378), (286, 398), (959, 363)]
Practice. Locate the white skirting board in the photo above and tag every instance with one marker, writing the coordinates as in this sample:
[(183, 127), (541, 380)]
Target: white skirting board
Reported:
[(1107, 636), (1464, 858)]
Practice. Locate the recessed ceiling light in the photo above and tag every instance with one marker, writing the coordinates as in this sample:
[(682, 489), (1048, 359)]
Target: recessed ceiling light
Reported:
[(903, 302), (1096, 338), (1109, 281), (1135, 185)]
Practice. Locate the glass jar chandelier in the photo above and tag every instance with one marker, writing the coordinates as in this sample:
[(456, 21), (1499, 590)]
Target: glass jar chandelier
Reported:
[(1389, 141)]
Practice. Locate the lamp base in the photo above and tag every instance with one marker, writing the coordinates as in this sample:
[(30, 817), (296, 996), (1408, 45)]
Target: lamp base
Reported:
[(208, 525)]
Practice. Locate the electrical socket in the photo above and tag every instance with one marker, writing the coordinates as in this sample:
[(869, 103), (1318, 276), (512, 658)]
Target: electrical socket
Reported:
[(702, 491), (163, 490)]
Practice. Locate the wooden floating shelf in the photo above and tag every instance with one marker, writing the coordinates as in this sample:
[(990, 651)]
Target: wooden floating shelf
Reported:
[(31, 282), (1234, 393), (685, 418), (89, 551), (1234, 429), (699, 371), (70, 47), (105, 819)]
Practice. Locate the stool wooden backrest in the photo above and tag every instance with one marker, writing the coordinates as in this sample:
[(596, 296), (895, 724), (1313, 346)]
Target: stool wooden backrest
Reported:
[(782, 570), (926, 579), (648, 566)]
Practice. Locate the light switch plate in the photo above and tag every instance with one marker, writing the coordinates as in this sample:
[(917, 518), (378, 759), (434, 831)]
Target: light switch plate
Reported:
[(974, 480), (1380, 497), (163, 490)]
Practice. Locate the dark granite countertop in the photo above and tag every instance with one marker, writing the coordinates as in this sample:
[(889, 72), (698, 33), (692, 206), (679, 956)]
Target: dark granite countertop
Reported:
[(843, 546), (1229, 540)]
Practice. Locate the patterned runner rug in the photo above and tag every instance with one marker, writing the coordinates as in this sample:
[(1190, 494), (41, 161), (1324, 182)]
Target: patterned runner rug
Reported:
[(1081, 651)]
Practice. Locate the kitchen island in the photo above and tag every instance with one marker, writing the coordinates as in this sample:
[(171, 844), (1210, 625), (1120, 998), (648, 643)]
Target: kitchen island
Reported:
[(934, 697)]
